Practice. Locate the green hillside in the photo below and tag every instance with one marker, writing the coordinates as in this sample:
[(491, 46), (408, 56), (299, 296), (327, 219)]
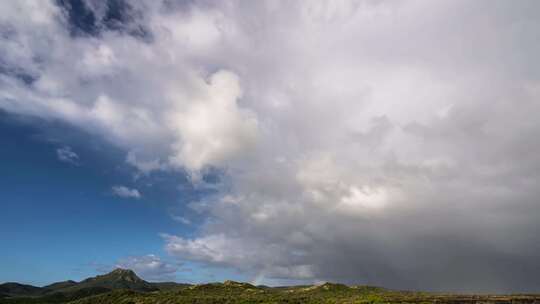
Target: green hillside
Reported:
[(60, 285), (117, 279), (66, 291), (327, 293), (15, 289), (123, 286)]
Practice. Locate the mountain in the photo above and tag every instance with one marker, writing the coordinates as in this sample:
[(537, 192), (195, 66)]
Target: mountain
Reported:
[(116, 279), (124, 286), (60, 292), (59, 285), (15, 289)]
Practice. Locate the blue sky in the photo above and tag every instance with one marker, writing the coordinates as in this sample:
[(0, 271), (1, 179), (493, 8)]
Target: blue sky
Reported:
[(62, 220)]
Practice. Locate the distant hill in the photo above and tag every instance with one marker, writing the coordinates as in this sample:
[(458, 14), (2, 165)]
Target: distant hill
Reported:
[(169, 285), (116, 279), (16, 289), (61, 292), (123, 286), (59, 285), (243, 293), (329, 287), (225, 285)]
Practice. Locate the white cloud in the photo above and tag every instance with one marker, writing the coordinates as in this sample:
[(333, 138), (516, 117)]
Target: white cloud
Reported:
[(144, 166), (65, 154), (185, 116), (125, 192), (149, 267), (351, 134), (212, 129), (181, 219)]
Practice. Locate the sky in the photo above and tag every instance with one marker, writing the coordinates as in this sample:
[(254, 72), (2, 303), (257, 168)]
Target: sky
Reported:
[(389, 143)]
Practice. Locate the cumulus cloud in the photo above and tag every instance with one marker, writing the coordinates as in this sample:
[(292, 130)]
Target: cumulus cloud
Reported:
[(379, 142), (181, 219), (149, 267), (213, 129), (65, 154), (185, 116), (125, 192)]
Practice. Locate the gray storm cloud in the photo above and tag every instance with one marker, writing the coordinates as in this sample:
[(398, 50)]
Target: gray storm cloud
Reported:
[(391, 143)]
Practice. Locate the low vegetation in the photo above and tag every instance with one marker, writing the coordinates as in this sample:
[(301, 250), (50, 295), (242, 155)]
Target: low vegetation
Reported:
[(124, 287)]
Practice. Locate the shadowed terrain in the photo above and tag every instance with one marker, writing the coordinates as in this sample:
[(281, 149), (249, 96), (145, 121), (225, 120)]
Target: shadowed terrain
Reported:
[(125, 287)]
